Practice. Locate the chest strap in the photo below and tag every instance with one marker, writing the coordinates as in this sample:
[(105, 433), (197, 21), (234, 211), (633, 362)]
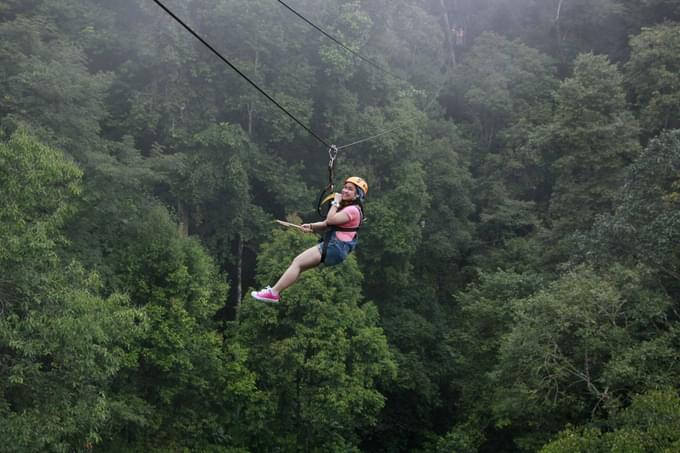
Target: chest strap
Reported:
[(327, 238), (332, 229)]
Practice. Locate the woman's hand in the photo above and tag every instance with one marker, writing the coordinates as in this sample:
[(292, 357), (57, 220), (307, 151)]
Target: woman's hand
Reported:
[(307, 228), (337, 197)]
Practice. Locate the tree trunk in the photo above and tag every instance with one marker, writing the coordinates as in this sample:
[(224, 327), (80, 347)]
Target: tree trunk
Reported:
[(239, 273), (183, 214), (447, 32), (251, 104), (558, 30), (250, 119), (559, 10)]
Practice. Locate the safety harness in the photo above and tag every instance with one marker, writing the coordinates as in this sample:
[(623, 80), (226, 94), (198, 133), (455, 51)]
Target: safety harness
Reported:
[(326, 194), (324, 202), (330, 232)]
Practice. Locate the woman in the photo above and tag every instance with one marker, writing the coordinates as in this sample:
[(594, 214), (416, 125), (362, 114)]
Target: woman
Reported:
[(343, 219)]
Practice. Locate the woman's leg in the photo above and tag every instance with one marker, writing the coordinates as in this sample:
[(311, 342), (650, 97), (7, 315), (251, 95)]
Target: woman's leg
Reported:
[(306, 260)]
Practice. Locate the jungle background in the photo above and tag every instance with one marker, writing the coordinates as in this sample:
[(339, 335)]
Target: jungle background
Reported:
[(516, 287)]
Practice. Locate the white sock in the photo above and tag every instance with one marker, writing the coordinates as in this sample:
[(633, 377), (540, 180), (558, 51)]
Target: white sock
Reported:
[(274, 292)]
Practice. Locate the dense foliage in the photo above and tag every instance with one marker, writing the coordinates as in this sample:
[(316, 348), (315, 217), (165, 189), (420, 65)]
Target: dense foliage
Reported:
[(517, 281)]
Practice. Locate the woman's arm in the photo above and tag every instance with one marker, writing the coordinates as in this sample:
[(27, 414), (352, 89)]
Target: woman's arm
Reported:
[(316, 226), (332, 218)]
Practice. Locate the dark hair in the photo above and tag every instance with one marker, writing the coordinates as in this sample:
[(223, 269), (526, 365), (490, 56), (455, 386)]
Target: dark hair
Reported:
[(357, 201)]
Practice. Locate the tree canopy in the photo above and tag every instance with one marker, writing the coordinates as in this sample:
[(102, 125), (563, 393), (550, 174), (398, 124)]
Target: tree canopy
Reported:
[(516, 285)]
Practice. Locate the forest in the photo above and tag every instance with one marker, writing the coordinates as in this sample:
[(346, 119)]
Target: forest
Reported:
[(516, 285)]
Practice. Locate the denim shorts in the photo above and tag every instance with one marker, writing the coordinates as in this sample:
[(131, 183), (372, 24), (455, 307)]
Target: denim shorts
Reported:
[(337, 250)]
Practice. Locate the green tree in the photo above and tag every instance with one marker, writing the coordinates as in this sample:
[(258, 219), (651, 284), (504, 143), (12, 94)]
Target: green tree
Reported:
[(162, 94), (650, 423), (46, 85), (579, 347), (402, 215), (592, 139), (398, 197), (651, 73), (559, 28), (33, 214), (446, 226), (485, 315), (319, 355), (502, 91), (644, 225), (61, 342), (650, 13), (61, 351), (273, 48), (176, 388), (500, 83)]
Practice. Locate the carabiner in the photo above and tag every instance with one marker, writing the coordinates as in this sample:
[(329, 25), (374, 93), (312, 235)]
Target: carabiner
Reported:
[(332, 153)]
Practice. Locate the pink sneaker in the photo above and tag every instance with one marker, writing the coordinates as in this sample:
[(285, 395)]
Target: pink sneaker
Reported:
[(265, 295)]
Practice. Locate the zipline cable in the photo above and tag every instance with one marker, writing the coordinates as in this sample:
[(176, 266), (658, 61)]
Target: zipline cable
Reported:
[(434, 96), (219, 55), (368, 60), (340, 43), (427, 106), (369, 138)]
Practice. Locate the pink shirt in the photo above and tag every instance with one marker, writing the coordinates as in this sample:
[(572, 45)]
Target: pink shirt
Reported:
[(354, 215)]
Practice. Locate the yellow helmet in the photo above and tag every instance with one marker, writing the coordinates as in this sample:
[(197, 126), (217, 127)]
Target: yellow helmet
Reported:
[(359, 182)]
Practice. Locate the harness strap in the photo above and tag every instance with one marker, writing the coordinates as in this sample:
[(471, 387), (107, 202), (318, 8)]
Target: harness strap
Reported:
[(327, 192), (324, 248), (345, 229), (332, 229)]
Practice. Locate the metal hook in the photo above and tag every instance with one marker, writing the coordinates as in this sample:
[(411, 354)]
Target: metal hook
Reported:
[(332, 153)]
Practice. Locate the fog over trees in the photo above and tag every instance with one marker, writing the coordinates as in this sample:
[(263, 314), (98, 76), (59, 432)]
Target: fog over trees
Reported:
[(516, 285)]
